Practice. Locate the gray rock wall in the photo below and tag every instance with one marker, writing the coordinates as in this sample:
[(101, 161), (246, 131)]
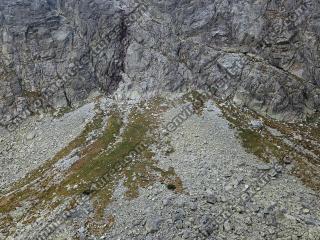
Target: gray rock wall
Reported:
[(49, 52), (261, 54)]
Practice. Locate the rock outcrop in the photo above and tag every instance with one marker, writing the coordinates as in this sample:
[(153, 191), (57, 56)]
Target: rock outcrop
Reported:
[(260, 54)]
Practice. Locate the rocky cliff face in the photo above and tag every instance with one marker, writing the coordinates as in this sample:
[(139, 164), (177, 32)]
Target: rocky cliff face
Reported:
[(261, 54), (47, 52)]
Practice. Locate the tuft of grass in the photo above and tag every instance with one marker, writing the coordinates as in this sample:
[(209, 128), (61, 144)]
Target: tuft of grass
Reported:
[(259, 146)]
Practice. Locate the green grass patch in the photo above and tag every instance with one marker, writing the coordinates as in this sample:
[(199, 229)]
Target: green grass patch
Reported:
[(268, 147), (22, 190), (104, 158)]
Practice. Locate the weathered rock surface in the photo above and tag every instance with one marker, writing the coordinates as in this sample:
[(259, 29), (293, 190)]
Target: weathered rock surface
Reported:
[(48, 52), (261, 54)]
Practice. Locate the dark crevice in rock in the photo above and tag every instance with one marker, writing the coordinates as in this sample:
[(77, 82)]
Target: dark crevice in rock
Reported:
[(116, 67), (69, 103)]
